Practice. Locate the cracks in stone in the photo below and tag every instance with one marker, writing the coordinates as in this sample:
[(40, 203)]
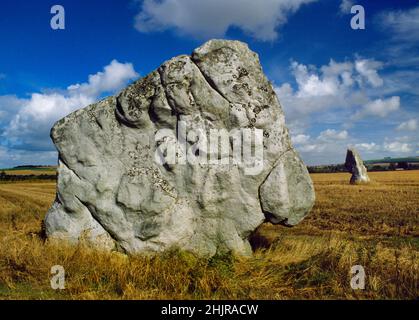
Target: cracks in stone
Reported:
[(93, 118), (84, 203), (67, 167), (172, 107), (98, 123), (94, 217), (274, 165), (269, 215), (209, 81), (121, 118), (213, 86), (160, 73), (280, 156)]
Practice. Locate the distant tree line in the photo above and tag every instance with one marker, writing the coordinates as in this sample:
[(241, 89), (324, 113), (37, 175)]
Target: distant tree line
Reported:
[(333, 168), (29, 166), (12, 177)]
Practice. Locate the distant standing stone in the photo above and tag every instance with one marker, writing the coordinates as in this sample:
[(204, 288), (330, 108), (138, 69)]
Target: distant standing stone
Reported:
[(355, 165)]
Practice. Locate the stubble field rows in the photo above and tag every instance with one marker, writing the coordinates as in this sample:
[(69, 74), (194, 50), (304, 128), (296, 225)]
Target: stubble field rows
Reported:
[(373, 225)]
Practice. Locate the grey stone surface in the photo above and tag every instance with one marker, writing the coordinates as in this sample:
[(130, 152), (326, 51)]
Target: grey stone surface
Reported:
[(355, 165), (113, 193)]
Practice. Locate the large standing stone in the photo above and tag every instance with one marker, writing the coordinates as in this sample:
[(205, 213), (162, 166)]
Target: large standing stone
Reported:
[(355, 165), (113, 192)]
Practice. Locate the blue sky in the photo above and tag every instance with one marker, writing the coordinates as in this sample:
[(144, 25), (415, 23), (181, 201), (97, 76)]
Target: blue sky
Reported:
[(339, 87)]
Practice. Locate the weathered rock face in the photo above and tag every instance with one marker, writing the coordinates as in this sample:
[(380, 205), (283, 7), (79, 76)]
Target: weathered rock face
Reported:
[(117, 189), (355, 165)]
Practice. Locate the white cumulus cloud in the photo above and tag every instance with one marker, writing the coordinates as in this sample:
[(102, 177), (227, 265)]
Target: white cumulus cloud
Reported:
[(300, 139), (403, 24), (397, 147), (368, 147), (32, 119), (335, 86), (410, 125), (341, 94), (331, 134), (311, 84), (368, 69), (345, 6), (11, 157), (329, 146), (379, 107), (213, 18), (113, 77)]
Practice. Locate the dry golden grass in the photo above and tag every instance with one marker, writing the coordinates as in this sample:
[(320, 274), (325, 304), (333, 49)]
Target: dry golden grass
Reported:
[(372, 225)]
